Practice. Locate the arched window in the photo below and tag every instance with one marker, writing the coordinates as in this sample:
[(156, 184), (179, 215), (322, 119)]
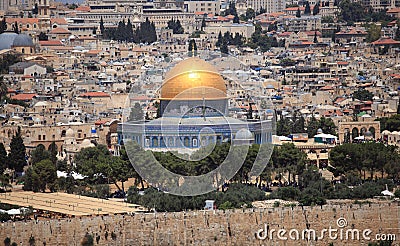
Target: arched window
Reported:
[(186, 142), (63, 132), (194, 142)]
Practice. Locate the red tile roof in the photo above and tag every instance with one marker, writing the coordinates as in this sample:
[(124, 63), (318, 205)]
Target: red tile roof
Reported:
[(60, 30), (24, 97), (60, 21), (386, 41), (100, 122), (393, 11), (51, 43), (22, 20), (83, 9), (95, 94)]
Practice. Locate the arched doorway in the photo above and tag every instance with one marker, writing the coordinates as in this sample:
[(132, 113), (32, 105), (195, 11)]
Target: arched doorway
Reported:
[(354, 133)]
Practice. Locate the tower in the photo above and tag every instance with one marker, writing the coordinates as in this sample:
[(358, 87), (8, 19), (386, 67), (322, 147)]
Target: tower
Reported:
[(44, 14)]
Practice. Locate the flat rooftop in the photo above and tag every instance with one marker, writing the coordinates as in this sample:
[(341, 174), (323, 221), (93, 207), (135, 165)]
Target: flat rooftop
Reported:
[(68, 204)]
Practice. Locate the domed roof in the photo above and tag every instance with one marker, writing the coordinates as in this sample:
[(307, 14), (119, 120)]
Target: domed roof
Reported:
[(368, 134), (319, 131), (22, 40), (193, 79), (70, 133), (7, 39), (244, 134), (86, 143)]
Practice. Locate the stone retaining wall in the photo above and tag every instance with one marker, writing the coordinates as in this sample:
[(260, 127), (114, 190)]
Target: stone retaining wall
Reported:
[(232, 227)]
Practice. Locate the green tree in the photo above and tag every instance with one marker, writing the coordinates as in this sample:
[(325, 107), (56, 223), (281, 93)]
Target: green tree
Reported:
[(15, 28), (17, 155), (224, 47), (39, 154), (53, 150), (307, 9), (397, 35), (351, 11), (3, 89), (3, 158), (41, 176), (236, 19), (203, 24), (291, 160), (316, 8), (87, 240), (231, 10), (176, 26), (327, 125), (35, 9), (3, 25), (43, 37), (220, 40), (250, 14), (192, 49), (373, 32), (102, 25), (283, 127), (298, 13), (312, 127), (101, 167), (363, 95), (136, 113)]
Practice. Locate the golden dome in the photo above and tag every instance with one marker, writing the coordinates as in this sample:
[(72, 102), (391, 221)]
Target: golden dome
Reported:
[(193, 79)]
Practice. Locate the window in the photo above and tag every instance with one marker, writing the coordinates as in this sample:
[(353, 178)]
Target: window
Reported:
[(44, 137), (195, 142), (39, 137)]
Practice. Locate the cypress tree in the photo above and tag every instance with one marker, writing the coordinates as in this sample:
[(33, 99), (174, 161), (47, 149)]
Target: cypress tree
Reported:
[(307, 9), (3, 158), (101, 25), (316, 8), (298, 13), (219, 41), (53, 152), (3, 25), (129, 30), (17, 158), (16, 30)]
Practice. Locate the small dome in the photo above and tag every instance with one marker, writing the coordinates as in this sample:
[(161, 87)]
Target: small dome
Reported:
[(319, 131), (86, 144), (7, 39), (23, 40), (70, 133), (368, 134), (244, 134)]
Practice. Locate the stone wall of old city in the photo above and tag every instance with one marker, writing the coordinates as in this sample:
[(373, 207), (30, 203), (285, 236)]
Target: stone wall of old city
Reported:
[(233, 227)]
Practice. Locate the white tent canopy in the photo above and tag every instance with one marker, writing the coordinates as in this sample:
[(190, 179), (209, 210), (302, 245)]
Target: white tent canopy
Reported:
[(74, 175), (325, 136)]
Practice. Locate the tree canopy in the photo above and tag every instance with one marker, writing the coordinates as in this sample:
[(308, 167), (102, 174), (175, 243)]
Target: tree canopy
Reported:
[(175, 26), (17, 155), (41, 176), (101, 167)]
